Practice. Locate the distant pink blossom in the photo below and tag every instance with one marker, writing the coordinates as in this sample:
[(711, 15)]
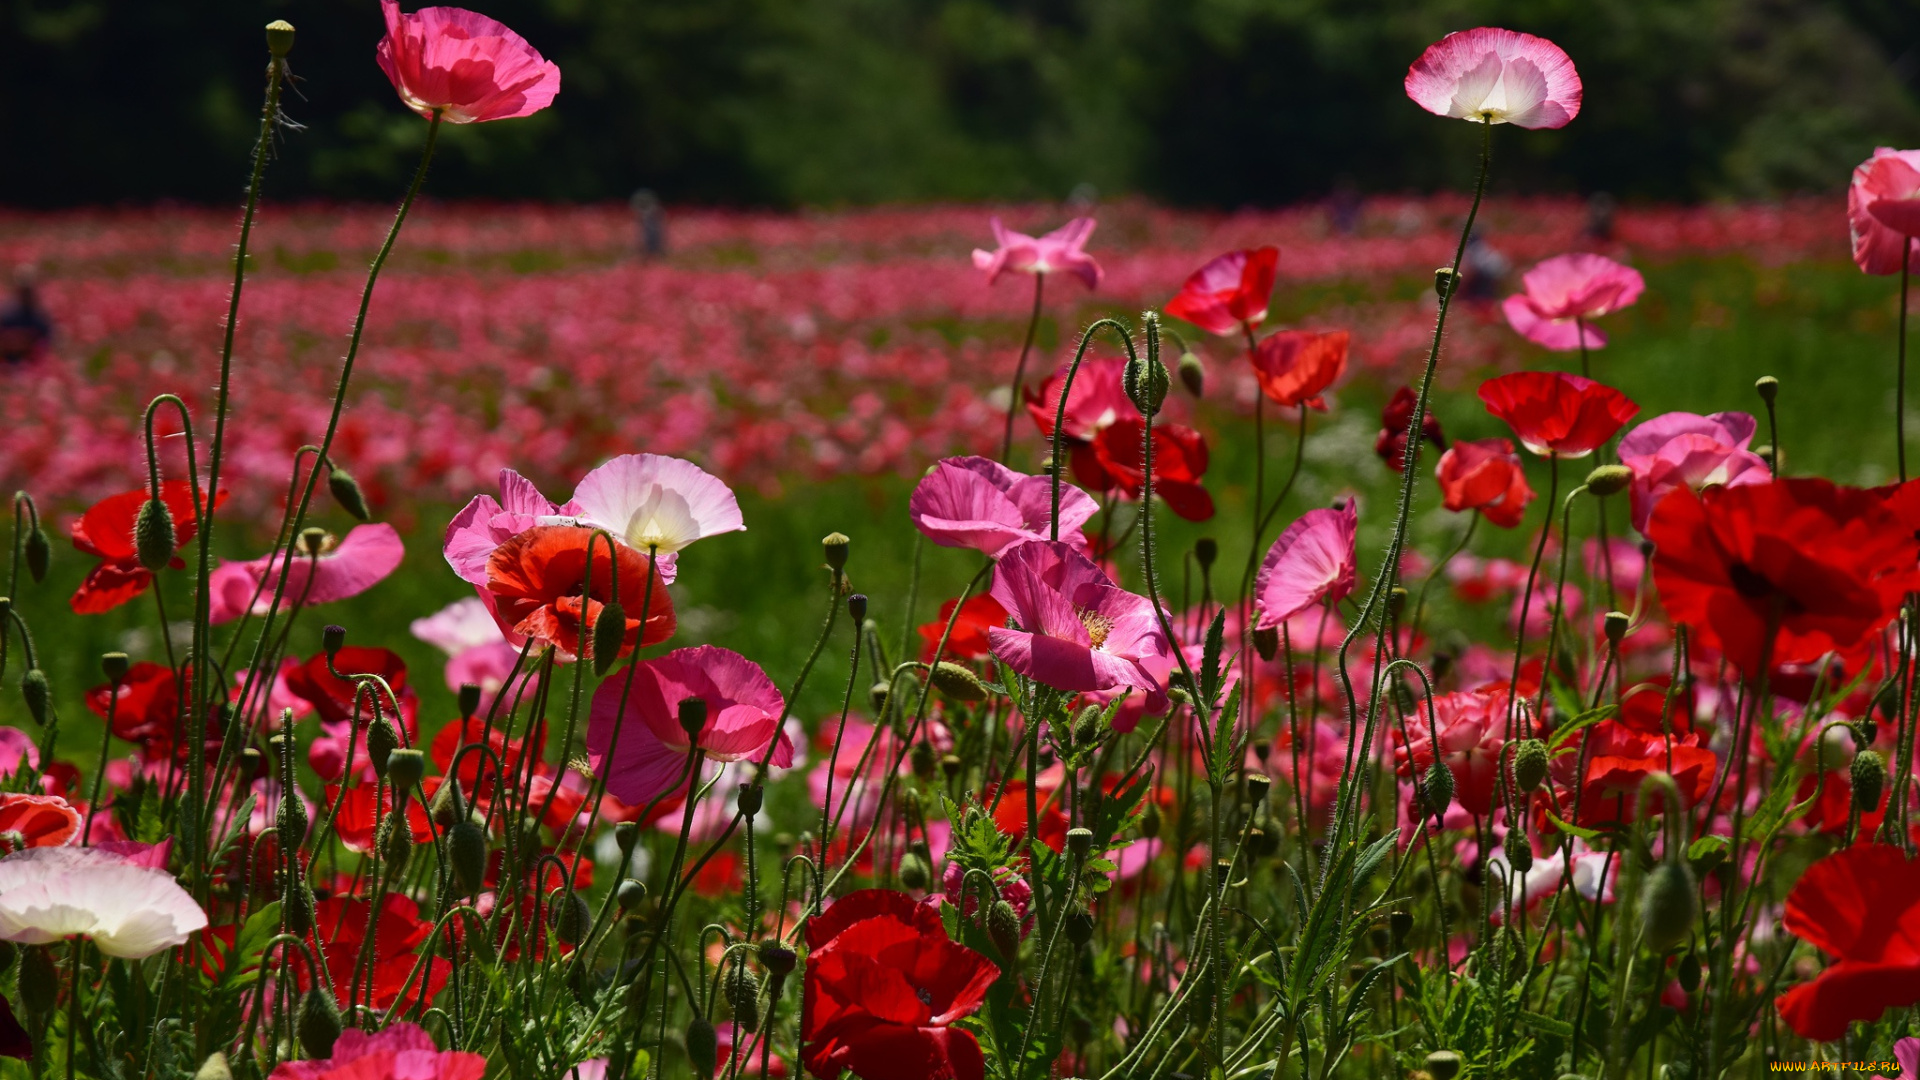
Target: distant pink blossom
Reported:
[(485, 523), (1058, 251), (1883, 210), (126, 909), (1496, 76), (657, 504), (1311, 562), (344, 568), (1230, 293), (979, 503), (463, 65), (1074, 628), (16, 750), (743, 710), (477, 651), (1732, 428), (1564, 294), (1691, 461), (399, 1051)]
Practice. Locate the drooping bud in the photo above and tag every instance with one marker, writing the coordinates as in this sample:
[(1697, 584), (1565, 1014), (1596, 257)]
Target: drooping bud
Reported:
[(280, 38), (569, 917), (1530, 762), (1444, 279), (1869, 776), (153, 535), (1003, 929), (1688, 974), (39, 553), (877, 695), (693, 716), (1519, 850), (1079, 927), (346, 490), (1266, 642), (332, 639), (703, 1047), (382, 741), (296, 911), (469, 700), (857, 608), (318, 1025), (405, 767), (835, 545), (743, 993), (957, 682), (292, 821), (35, 690), (114, 665), (467, 856), (609, 636), (914, 871), (950, 765), (1607, 480), (447, 807), (1616, 623), (215, 1067), (1443, 1065), (1767, 387), (1193, 374), (1146, 383), (1667, 906), (1436, 792), (39, 980)]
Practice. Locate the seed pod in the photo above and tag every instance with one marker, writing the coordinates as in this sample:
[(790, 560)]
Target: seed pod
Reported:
[(314, 541), (1003, 929), (396, 843), (382, 741), (1607, 480), (1616, 624), (569, 917), (1079, 927), (39, 980), (957, 682), (37, 694), (1667, 906), (857, 608), (1443, 1065), (153, 535), (1519, 851), (1267, 643), (777, 959), (279, 42), (114, 666), (703, 1047), (950, 765), (447, 808), (630, 895), (1530, 761), (1193, 374), (469, 699), (693, 716), (835, 547), (318, 1024), (1444, 279), (1146, 383), (1767, 387), (1258, 784), (346, 492), (214, 1068), (332, 639), (1261, 843), (1436, 792), (467, 856), (743, 993), (39, 554), (1869, 775), (1079, 841), (405, 767), (1399, 925), (609, 636), (914, 871)]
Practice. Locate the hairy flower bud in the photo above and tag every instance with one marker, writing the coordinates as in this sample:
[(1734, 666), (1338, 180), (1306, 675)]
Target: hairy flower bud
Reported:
[(1530, 761), (1444, 280), (292, 820), (1519, 851), (1266, 642), (835, 546), (957, 682), (447, 807), (345, 489), (469, 700), (1003, 929), (1616, 624), (630, 895), (1146, 383), (703, 1047), (280, 38), (1079, 842), (39, 553), (296, 911), (693, 716), (467, 856), (153, 535), (405, 767), (37, 694), (914, 871), (609, 635), (214, 1068), (1667, 906), (396, 842), (382, 741), (1607, 480), (1193, 374), (332, 639), (569, 917), (114, 665), (1436, 791), (318, 1024), (743, 993), (1869, 777)]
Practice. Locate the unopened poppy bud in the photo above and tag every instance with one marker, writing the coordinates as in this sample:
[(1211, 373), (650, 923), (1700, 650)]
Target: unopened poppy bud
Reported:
[(1145, 379), (1444, 279), (1266, 642), (1607, 480), (857, 608), (1150, 821), (1767, 387), (382, 741), (1079, 841), (1205, 551), (1530, 761), (1079, 927), (743, 993), (37, 694), (1437, 790), (469, 699), (114, 665), (950, 765), (447, 808), (39, 553), (777, 959), (153, 535), (39, 980), (609, 636), (1443, 1065), (332, 639), (750, 798), (630, 895), (318, 1025), (280, 38), (346, 492), (569, 917), (625, 834), (405, 767), (1689, 972), (877, 695), (292, 821), (396, 842), (1869, 776), (957, 682), (835, 546), (1003, 929), (703, 1047), (1193, 374), (1257, 785), (296, 911), (914, 871), (1615, 624), (1519, 851), (1864, 732), (693, 716), (923, 760), (1667, 906), (214, 1068)]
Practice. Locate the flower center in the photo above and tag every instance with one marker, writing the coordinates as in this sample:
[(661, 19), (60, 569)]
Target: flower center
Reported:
[(1098, 627), (925, 995), (1748, 582)]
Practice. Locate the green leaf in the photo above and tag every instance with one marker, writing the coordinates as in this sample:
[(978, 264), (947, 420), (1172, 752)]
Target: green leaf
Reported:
[(1210, 657), (1546, 1025), (1573, 830), (1580, 723)]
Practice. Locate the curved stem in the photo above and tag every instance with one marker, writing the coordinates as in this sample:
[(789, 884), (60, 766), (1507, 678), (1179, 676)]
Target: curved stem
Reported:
[(1020, 369), (1059, 461)]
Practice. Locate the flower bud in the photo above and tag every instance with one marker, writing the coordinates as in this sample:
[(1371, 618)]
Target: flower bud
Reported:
[(1193, 374), (835, 546), (405, 767), (609, 636), (1689, 972), (950, 765), (1767, 387), (1079, 841), (743, 993), (857, 608), (693, 717), (1150, 821), (957, 682), (1607, 480), (1396, 601), (332, 639), (1869, 776), (1443, 1065), (630, 895), (447, 808), (153, 535), (39, 553), (215, 1067), (37, 694), (114, 666), (922, 759), (469, 698), (569, 917), (1079, 927), (914, 871), (396, 842), (1616, 624), (382, 741), (752, 795), (1145, 379), (292, 820), (703, 1047), (1530, 762), (1444, 279), (1436, 792), (345, 489), (1003, 929), (296, 911), (1266, 642), (877, 696), (1519, 851), (319, 1023), (1667, 906), (777, 959), (625, 834), (39, 980), (280, 38)]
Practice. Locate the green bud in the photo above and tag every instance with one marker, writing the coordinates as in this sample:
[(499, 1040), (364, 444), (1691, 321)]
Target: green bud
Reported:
[(693, 716), (447, 807), (296, 911), (914, 871), (318, 1024), (1530, 761), (153, 535), (1146, 383), (1150, 821), (1193, 374), (630, 895), (609, 636), (1003, 929), (743, 993), (703, 1047), (37, 694), (950, 765), (280, 38), (1266, 642), (114, 665), (877, 696), (345, 489), (1443, 1065), (1616, 624), (1667, 906), (1079, 842), (382, 741), (1767, 387), (1869, 776), (396, 842), (405, 767), (1689, 973), (292, 821), (1436, 792), (1607, 480), (467, 856), (923, 760), (957, 682), (1079, 927), (1518, 850), (835, 545), (569, 917), (39, 553), (1262, 843), (469, 700)]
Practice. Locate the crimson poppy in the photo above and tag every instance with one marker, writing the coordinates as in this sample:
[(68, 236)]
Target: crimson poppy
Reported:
[(106, 531), (536, 579), (968, 641), (1820, 567), (1860, 906), (1556, 414), (1619, 760), (1179, 461), (1395, 419), (1228, 293), (333, 698), (147, 712), (1485, 475), (340, 929), (884, 986), (1295, 367)]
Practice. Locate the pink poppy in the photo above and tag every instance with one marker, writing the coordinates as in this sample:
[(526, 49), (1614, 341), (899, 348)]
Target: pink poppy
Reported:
[(1883, 210), (1563, 295), (344, 568), (979, 503), (485, 523), (1229, 293), (1734, 429), (397, 1050), (1076, 630), (1472, 732), (1059, 251), (477, 651), (1496, 76), (128, 910), (657, 504), (743, 709), (463, 65), (1692, 460), (1312, 561), (1098, 399), (16, 750)]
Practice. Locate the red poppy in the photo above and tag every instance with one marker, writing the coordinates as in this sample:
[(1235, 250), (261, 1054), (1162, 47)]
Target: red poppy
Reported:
[(1228, 293), (1824, 566), (1644, 706), (723, 875), (333, 698), (30, 821), (536, 579), (477, 773), (356, 823), (106, 530), (1473, 726), (1619, 760), (340, 929), (968, 641), (1485, 475), (147, 712), (884, 985), (1179, 460), (1296, 366), (1010, 817), (1556, 414), (1395, 419), (1862, 907)]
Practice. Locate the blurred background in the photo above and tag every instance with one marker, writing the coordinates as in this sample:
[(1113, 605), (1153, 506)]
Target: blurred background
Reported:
[(781, 103)]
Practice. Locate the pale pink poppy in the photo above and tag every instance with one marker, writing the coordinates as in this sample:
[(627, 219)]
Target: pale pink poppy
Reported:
[(485, 523), (477, 651), (979, 503), (1563, 295), (657, 504), (128, 910), (1312, 562), (401, 1051), (1058, 251), (1496, 76), (1694, 461), (1074, 628), (463, 65), (743, 711), (16, 750), (1883, 210)]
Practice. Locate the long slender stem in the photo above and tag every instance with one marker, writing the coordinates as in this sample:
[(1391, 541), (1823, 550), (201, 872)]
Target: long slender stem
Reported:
[(1020, 369), (1900, 368)]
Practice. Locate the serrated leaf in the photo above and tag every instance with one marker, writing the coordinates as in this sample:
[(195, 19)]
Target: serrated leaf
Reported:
[(1546, 1025), (1210, 657), (1580, 723)]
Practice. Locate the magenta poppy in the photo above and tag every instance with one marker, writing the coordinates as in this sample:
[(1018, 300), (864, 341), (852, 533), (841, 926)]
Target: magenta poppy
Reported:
[(1883, 210), (463, 65), (1310, 563), (743, 709), (1495, 76), (979, 503), (1074, 629), (1562, 296), (1060, 251)]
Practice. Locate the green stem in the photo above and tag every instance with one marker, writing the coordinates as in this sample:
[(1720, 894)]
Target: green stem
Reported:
[(1020, 369), (1900, 370)]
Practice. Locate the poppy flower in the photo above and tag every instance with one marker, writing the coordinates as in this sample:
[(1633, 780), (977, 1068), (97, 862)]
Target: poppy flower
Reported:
[(1311, 562), (1098, 398), (1230, 293), (1074, 629), (1395, 419), (979, 503), (1495, 76), (106, 531), (478, 651), (340, 927), (1295, 367), (1692, 461), (535, 580), (1823, 566), (1620, 759), (125, 909), (1473, 726), (361, 810), (147, 711), (657, 504), (33, 821), (1058, 251), (884, 985), (399, 1049), (1562, 296), (463, 65), (333, 697), (1485, 475), (1556, 414), (343, 568), (1883, 210), (968, 641), (486, 522), (1860, 906), (743, 713), (1179, 461)]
